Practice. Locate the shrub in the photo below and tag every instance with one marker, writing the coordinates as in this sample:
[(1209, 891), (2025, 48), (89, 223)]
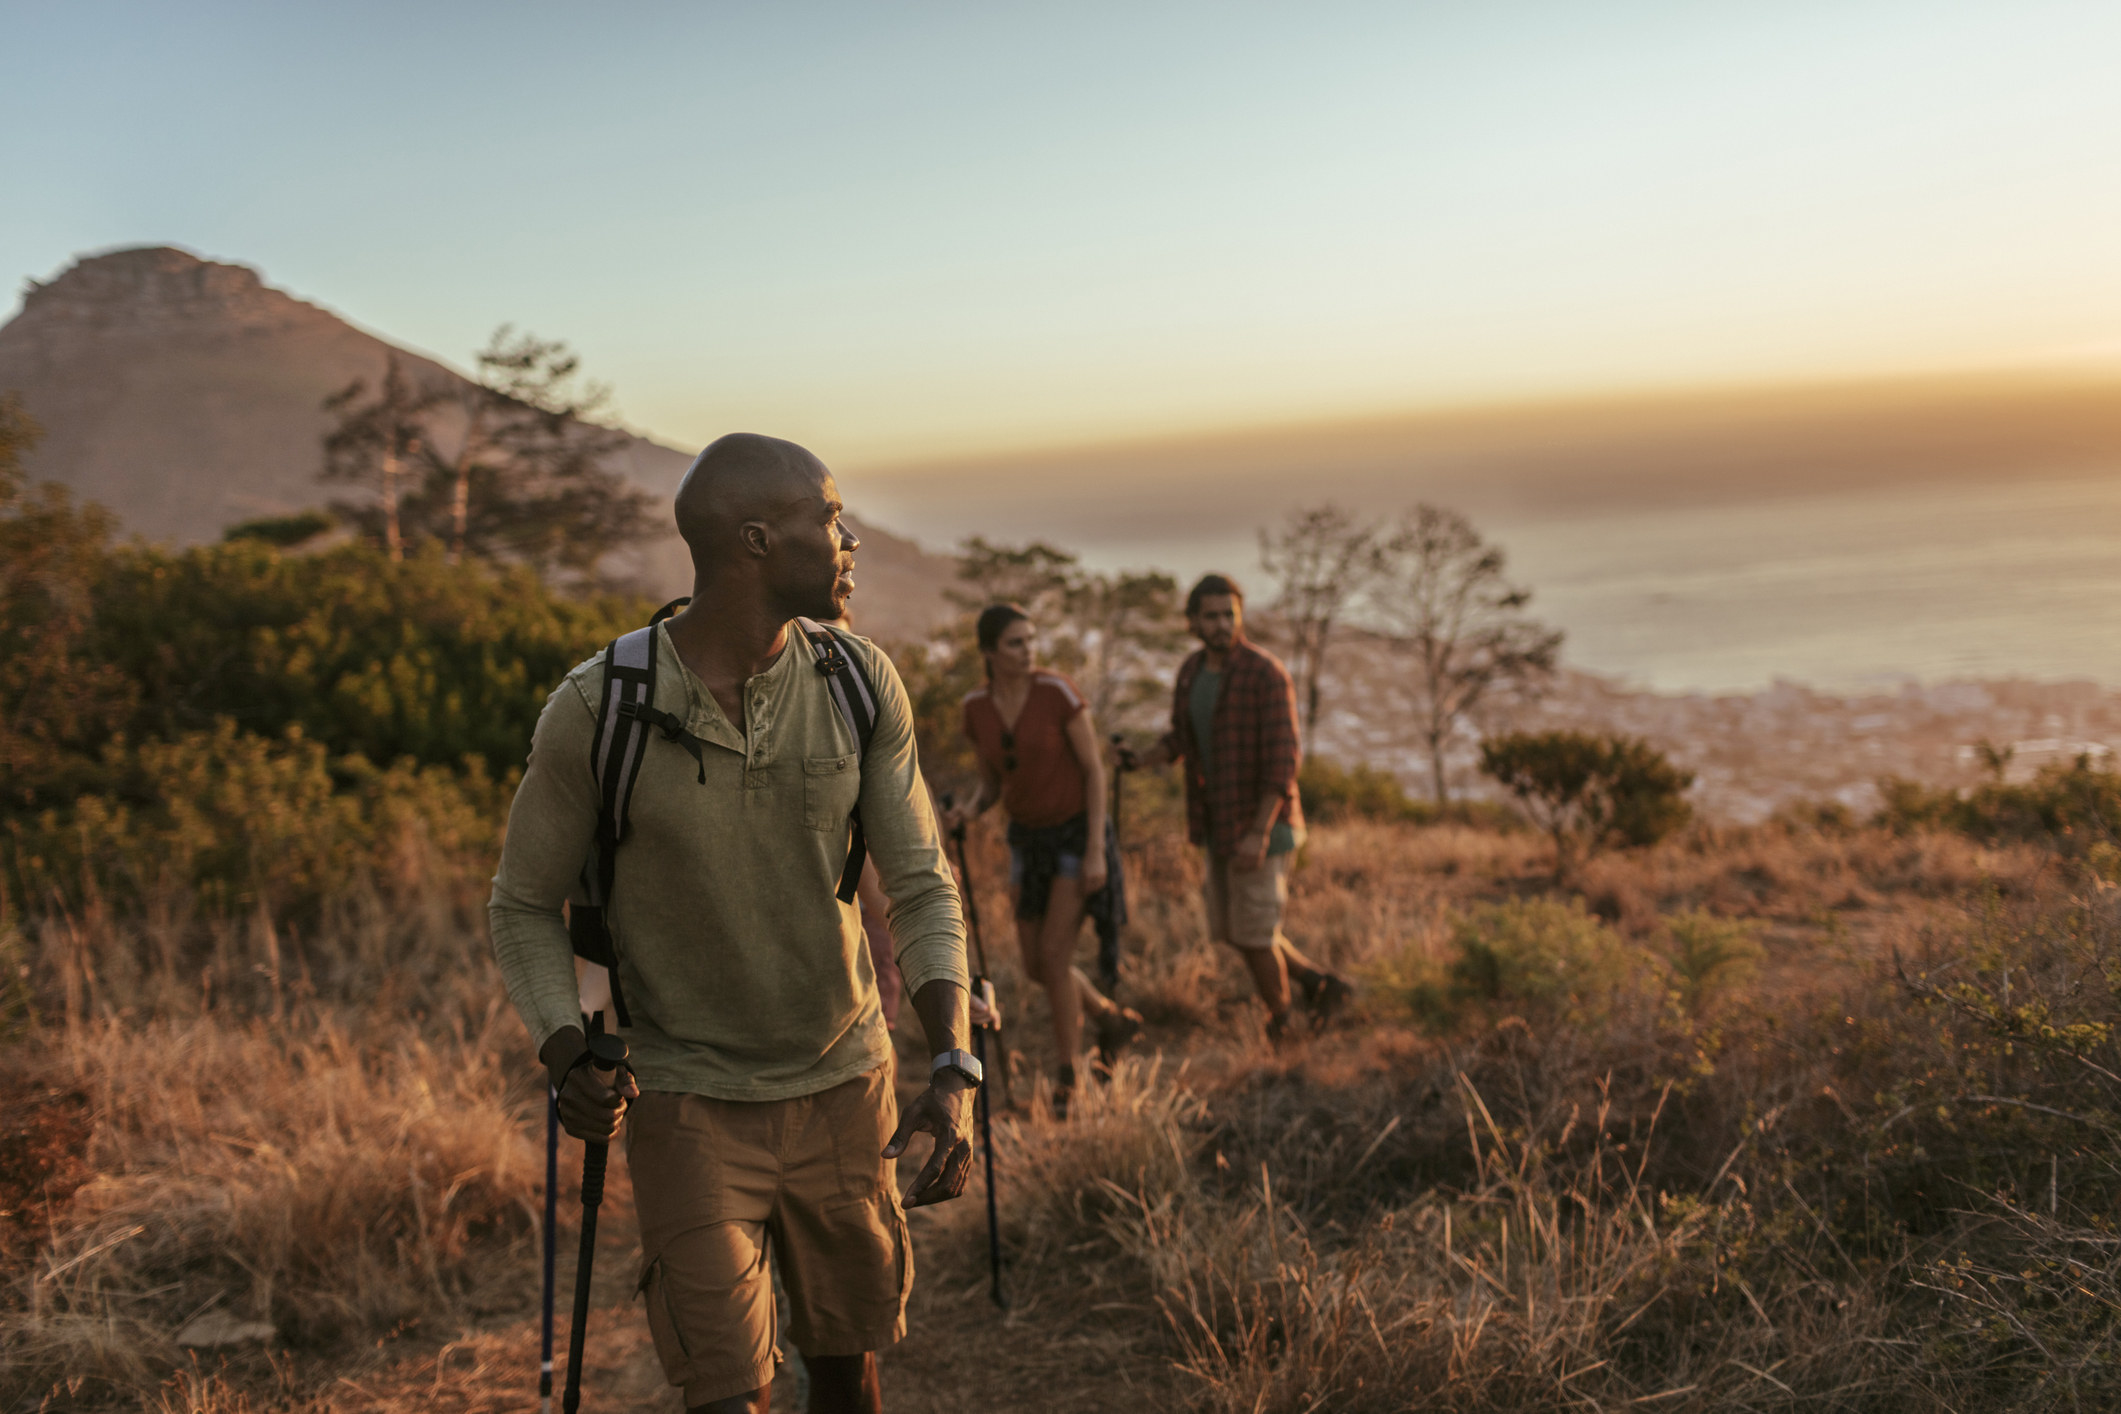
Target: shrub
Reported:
[(230, 822), (1537, 955), (1589, 792), (56, 701), (1542, 954), (423, 659), (1332, 791), (1709, 956), (2070, 807)]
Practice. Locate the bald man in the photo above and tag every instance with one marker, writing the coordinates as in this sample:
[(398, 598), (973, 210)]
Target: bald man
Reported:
[(762, 1123)]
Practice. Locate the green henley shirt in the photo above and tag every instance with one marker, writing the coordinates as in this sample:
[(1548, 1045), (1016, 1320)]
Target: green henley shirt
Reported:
[(745, 976)]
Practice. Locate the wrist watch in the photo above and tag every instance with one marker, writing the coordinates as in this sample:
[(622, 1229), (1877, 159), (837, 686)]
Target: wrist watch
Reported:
[(964, 1063)]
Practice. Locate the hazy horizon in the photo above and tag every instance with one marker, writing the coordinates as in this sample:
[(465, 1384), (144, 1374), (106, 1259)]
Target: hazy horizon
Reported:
[(1829, 286), (1845, 536), (916, 234)]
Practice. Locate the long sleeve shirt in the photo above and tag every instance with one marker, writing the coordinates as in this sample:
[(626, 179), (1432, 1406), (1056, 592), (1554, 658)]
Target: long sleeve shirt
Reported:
[(1254, 752), (745, 976)]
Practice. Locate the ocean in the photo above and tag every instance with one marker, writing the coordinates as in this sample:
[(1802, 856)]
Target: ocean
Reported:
[(1844, 590)]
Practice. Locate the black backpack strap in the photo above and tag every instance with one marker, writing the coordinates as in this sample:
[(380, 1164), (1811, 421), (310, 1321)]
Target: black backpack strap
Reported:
[(615, 754), (853, 694)]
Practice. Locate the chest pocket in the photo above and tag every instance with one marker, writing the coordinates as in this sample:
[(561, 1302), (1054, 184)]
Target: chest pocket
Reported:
[(831, 787)]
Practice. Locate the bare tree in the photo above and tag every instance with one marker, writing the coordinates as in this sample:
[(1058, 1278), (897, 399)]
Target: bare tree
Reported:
[(375, 440), (517, 474), (1442, 589), (524, 417), (1323, 559), (1109, 630), (1127, 622)]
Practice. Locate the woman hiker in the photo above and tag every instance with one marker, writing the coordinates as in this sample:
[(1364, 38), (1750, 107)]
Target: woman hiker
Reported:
[(1038, 755)]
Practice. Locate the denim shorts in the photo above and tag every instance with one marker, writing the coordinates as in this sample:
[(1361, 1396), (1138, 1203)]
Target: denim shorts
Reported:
[(1039, 854), (1068, 866)]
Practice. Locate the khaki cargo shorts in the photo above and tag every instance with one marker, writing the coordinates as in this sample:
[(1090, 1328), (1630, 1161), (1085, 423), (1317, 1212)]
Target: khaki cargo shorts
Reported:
[(1245, 905), (720, 1184)]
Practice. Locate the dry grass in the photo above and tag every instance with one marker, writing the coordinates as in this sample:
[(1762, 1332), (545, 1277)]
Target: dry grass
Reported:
[(333, 1184), (1877, 1174)]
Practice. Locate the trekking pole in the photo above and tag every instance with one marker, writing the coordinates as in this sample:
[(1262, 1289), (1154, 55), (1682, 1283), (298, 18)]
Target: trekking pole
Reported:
[(552, 1246), (983, 1104), (980, 981), (1108, 947), (1119, 769), (985, 1107), (608, 1057)]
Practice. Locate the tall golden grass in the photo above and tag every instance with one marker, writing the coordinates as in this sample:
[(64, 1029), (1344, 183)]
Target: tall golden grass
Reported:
[(1774, 1118)]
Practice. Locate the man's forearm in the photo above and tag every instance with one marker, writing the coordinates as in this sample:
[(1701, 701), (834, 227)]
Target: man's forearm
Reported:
[(560, 1051), (941, 1006), (537, 964)]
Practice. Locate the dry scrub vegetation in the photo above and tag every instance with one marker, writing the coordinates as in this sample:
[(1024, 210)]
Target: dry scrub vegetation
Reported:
[(1801, 1116)]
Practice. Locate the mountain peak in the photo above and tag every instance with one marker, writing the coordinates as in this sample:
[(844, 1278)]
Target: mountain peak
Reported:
[(187, 394), (149, 286)]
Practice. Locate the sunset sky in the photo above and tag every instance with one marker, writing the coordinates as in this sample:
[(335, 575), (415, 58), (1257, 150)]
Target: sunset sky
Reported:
[(913, 232)]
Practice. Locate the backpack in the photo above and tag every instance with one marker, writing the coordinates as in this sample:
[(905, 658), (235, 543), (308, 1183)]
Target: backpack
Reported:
[(626, 713)]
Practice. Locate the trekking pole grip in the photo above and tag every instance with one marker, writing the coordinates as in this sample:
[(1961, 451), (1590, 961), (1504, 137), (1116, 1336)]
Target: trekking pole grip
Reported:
[(609, 1055)]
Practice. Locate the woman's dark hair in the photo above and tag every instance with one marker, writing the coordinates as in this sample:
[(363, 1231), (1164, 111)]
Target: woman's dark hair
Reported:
[(994, 621), (1210, 584)]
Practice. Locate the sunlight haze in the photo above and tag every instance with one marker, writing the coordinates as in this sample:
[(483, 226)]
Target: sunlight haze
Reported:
[(926, 231)]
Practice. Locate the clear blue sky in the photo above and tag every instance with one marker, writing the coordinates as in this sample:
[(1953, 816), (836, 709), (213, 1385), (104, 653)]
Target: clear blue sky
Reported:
[(911, 231)]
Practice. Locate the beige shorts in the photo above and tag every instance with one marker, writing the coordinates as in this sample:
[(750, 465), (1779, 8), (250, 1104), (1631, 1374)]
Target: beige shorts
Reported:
[(721, 1184), (1244, 905)]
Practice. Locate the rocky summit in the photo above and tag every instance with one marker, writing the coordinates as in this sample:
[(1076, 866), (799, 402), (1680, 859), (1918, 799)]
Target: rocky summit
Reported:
[(187, 395)]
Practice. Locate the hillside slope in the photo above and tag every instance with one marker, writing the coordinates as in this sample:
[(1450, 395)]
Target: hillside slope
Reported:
[(186, 395)]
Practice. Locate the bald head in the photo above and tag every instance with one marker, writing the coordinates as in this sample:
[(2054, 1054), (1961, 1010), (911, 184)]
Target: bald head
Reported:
[(742, 477), (766, 511)]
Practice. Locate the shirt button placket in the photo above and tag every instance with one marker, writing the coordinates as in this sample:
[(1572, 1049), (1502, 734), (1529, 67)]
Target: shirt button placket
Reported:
[(755, 748)]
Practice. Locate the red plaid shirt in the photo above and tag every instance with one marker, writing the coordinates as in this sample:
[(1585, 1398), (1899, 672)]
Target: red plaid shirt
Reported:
[(1254, 752)]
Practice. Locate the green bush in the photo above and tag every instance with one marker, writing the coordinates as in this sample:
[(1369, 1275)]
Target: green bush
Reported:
[(1332, 791), (419, 659), (57, 702), (1538, 956), (224, 822), (1590, 792), (2072, 808), (1710, 957)]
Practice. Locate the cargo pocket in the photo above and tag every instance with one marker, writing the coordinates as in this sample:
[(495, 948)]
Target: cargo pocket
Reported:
[(905, 1262), (831, 786), (663, 1325)]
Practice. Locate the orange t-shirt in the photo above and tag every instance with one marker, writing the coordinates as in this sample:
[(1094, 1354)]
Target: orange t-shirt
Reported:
[(1044, 785)]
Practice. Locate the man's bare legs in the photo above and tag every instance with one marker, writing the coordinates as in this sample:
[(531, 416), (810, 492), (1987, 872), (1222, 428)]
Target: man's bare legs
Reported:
[(1305, 972), (845, 1384), (839, 1384), (1273, 969), (1270, 975)]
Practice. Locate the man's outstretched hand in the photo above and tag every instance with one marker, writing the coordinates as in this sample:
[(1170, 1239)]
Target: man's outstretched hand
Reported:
[(944, 1109), (590, 1108)]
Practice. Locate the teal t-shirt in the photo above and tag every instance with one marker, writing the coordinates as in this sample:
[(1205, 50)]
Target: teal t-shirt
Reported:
[(1206, 687)]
